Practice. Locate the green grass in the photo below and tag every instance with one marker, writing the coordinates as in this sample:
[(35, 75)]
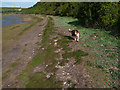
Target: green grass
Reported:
[(50, 18), (68, 81), (8, 71), (94, 45), (105, 56), (64, 44), (77, 54), (31, 25), (25, 29), (48, 31), (13, 65), (39, 80), (62, 63), (14, 27)]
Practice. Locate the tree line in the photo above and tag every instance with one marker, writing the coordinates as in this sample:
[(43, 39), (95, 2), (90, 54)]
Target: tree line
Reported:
[(93, 14), (9, 9)]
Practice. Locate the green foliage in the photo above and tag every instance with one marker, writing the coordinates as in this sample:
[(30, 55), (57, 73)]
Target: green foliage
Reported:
[(68, 81), (103, 15), (98, 15)]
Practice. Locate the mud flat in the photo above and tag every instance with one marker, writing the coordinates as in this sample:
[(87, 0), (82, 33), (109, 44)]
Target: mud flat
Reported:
[(19, 41)]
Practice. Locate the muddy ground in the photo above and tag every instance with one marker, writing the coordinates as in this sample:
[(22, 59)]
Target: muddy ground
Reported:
[(27, 41), (70, 74)]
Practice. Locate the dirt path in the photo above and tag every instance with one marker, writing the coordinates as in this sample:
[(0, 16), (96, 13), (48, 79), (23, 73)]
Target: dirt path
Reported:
[(22, 53), (72, 74), (26, 49)]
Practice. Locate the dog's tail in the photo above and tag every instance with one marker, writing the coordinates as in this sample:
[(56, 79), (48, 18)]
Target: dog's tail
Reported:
[(69, 30)]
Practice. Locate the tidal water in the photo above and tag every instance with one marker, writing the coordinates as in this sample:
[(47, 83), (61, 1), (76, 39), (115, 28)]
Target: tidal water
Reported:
[(10, 20)]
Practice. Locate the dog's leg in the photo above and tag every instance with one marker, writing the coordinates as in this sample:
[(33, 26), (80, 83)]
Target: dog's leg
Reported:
[(75, 38), (78, 37)]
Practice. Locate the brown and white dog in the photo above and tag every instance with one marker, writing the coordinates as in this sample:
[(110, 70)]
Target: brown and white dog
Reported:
[(75, 34)]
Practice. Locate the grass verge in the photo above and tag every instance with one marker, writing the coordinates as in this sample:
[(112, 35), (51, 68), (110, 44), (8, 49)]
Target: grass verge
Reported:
[(14, 27), (31, 25), (102, 44), (39, 80)]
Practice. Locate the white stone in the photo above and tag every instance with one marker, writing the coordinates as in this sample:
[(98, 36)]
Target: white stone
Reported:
[(73, 65), (46, 65), (8, 85), (64, 82), (59, 50), (101, 45), (68, 74), (40, 34), (55, 44), (56, 51), (51, 73), (48, 76), (42, 48), (55, 40), (56, 66)]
